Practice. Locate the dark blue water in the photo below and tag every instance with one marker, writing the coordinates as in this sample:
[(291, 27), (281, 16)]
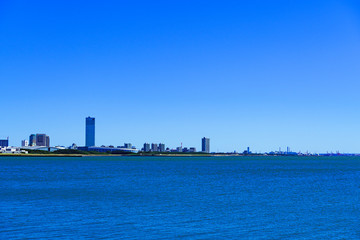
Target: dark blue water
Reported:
[(180, 198)]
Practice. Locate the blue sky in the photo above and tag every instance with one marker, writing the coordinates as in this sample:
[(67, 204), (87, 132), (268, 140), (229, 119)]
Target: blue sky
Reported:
[(263, 74)]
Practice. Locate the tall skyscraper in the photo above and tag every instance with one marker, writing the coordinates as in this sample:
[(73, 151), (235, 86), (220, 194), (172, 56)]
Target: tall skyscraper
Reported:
[(32, 140), (90, 132), (205, 145), (42, 140)]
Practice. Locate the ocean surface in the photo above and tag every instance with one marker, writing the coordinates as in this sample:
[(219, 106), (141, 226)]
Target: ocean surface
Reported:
[(180, 198)]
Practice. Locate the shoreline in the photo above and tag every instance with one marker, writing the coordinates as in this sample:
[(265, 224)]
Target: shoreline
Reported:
[(105, 155), (163, 155)]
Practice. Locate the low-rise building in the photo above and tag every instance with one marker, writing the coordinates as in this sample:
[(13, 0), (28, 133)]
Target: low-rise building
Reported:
[(12, 150), (192, 149), (73, 146), (44, 148), (108, 149)]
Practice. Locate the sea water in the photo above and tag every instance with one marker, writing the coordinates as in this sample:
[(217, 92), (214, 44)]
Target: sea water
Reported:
[(180, 198)]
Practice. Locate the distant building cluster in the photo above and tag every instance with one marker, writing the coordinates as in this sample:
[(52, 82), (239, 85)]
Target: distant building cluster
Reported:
[(12, 150), (5, 148), (41, 141), (154, 147), (288, 152), (128, 147), (90, 141)]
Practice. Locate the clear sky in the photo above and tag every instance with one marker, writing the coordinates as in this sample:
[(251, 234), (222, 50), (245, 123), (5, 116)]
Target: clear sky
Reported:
[(263, 74)]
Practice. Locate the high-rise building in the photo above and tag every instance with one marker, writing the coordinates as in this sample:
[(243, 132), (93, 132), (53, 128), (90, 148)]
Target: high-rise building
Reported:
[(205, 145), (146, 147), (154, 147), (42, 140), (4, 142), (90, 132), (127, 145), (24, 143), (32, 140), (161, 147)]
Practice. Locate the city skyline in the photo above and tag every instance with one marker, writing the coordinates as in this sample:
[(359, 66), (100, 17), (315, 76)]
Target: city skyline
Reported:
[(39, 141), (180, 119), (204, 145), (264, 74)]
